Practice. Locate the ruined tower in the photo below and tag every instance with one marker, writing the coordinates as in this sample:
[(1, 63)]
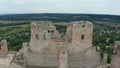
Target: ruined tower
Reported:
[(115, 62), (47, 47), (80, 35), (41, 34)]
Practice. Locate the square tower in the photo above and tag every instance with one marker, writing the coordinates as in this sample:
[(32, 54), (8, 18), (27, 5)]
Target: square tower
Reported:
[(42, 33), (40, 29), (81, 37)]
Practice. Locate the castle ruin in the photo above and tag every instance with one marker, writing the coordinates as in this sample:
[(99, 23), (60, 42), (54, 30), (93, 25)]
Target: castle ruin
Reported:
[(48, 48)]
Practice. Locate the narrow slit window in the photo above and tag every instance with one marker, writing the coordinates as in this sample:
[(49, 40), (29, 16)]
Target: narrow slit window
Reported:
[(118, 47), (37, 37), (83, 26), (82, 37), (63, 52), (48, 31), (52, 31)]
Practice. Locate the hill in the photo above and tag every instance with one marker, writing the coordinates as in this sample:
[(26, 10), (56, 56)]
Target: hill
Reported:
[(60, 17)]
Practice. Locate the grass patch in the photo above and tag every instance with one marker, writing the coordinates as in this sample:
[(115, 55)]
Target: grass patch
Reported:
[(61, 23)]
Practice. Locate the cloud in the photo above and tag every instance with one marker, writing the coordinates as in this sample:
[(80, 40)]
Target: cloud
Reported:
[(60, 6), (19, 2), (2, 0)]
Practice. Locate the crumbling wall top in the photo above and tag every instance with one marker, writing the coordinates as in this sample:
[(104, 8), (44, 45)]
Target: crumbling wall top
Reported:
[(4, 48), (117, 46), (81, 22)]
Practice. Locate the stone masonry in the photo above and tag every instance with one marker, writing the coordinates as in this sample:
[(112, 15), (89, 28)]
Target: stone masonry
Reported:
[(48, 48), (115, 63), (4, 48)]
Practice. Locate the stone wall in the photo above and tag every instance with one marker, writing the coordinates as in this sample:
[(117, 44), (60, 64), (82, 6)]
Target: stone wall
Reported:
[(115, 62), (37, 59), (87, 59), (82, 35), (41, 36), (48, 49)]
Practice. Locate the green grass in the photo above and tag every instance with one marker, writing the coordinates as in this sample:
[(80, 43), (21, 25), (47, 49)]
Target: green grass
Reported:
[(61, 23), (4, 28), (8, 22), (21, 28)]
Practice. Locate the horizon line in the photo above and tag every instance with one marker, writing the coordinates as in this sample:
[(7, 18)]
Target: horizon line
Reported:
[(59, 13)]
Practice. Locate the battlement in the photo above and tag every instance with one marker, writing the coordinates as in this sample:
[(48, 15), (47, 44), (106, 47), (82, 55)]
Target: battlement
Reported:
[(45, 25)]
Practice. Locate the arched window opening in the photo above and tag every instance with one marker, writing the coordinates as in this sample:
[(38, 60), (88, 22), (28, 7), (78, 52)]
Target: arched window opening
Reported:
[(37, 37), (63, 52), (48, 31), (83, 26), (52, 31), (82, 37)]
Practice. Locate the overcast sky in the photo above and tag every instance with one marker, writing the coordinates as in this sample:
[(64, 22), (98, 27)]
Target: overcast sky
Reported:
[(60, 6)]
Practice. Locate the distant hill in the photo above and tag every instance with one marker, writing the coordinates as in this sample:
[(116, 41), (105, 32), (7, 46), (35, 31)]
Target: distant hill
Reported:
[(61, 17)]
